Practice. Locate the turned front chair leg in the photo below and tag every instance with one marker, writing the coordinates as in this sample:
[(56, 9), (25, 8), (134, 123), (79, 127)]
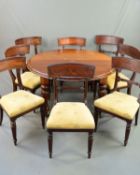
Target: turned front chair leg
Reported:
[(13, 128), (50, 142), (127, 132), (90, 142)]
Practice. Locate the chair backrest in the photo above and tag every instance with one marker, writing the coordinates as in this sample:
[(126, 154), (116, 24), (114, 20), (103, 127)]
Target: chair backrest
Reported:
[(19, 50), (126, 64), (14, 63), (108, 40), (71, 41), (34, 41), (70, 72), (127, 50)]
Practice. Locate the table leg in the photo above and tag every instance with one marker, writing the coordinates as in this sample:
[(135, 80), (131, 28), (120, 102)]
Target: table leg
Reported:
[(45, 91)]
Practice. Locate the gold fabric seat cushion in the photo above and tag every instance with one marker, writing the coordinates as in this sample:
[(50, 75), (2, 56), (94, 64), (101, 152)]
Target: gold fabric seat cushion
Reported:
[(111, 80), (70, 115), (29, 80), (121, 104), (19, 102)]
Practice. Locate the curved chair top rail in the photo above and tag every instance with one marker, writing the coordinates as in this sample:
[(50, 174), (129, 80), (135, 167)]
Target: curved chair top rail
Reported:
[(71, 70), (33, 40), (126, 63), (77, 41), (19, 50), (129, 50), (12, 63), (108, 39)]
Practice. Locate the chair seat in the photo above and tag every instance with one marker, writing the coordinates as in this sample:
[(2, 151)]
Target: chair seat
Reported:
[(118, 103), (29, 80), (70, 115), (19, 102), (111, 80)]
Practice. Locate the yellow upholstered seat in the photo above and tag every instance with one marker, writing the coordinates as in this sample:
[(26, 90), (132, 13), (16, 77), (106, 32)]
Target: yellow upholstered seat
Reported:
[(118, 103), (70, 115), (18, 102), (111, 80), (29, 80)]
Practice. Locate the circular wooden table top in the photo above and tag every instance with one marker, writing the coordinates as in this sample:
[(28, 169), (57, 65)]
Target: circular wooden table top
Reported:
[(103, 63)]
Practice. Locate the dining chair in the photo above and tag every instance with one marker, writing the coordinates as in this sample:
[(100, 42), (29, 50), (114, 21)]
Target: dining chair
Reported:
[(70, 116), (77, 42), (30, 81), (72, 42), (118, 104), (34, 41), (106, 44), (20, 102), (109, 41), (126, 51)]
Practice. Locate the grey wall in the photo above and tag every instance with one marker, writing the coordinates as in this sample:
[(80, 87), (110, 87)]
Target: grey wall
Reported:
[(54, 18)]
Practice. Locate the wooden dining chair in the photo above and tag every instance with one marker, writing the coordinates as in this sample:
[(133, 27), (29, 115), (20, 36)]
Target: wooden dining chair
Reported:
[(34, 41), (103, 41), (20, 102), (118, 104), (106, 44), (30, 81), (72, 42), (126, 51), (77, 42), (70, 116)]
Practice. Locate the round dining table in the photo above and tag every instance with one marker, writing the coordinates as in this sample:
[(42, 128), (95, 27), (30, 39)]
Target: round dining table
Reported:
[(38, 64)]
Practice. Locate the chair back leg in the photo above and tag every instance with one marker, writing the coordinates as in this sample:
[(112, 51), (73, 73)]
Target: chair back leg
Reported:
[(90, 142), (50, 142), (127, 132), (1, 115), (136, 118), (13, 128), (42, 111), (96, 115)]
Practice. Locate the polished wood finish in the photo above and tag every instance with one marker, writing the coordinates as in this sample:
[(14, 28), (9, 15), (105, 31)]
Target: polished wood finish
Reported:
[(101, 40), (19, 50), (126, 64), (34, 41), (71, 41), (38, 64), (70, 72), (128, 50), (17, 63), (125, 51)]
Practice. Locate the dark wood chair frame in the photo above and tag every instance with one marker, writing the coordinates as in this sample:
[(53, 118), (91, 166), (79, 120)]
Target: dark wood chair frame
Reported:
[(34, 41), (63, 42), (125, 51), (71, 41), (70, 72), (19, 50), (17, 63), (101, 40), (127, 64)]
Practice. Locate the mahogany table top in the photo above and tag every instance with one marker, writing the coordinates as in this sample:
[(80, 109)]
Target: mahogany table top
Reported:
[(103, 63)]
